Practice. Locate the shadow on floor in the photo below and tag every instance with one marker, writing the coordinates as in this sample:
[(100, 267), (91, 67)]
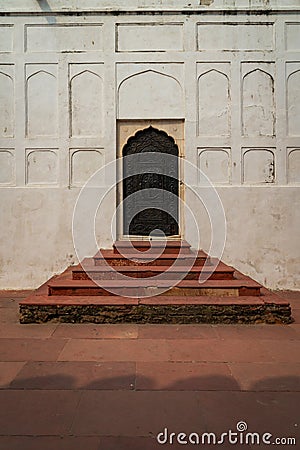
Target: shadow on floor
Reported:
[(111, 413)]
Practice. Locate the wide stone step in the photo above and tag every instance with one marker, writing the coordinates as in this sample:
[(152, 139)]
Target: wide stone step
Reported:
[(105, 257), (145, 287), (155, 246), (221, 272), (158, 309)]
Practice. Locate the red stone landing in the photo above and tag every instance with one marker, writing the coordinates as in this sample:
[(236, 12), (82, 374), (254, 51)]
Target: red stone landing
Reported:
[(161, 286)]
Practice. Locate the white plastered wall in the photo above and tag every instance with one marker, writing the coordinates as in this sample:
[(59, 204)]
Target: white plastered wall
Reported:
[(66, 79)]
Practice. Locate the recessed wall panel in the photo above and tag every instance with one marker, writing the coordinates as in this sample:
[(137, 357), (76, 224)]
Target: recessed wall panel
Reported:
[(86, 100), (41, 166), (214, 164), (83, 164), (6, 38), (292, 36), (6, 101), (258, 102), (214, 105), (151, 91), (7, 167), (235, 36), (293, 101), (294, 165), (258, 166), (149, 37), (63, 38), (41, 100)]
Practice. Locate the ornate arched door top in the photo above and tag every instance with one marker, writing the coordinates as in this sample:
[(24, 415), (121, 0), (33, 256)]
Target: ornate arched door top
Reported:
[(150, 197), (150, 140)]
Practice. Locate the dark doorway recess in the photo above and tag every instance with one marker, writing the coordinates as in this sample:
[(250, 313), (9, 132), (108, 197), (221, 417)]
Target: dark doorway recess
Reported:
[(150, 198)]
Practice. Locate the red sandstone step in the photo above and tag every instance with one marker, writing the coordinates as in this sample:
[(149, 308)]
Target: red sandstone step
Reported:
[(165, 246), (221, 272), (107, 253), (156, 300), (140, 287), (166, 259)]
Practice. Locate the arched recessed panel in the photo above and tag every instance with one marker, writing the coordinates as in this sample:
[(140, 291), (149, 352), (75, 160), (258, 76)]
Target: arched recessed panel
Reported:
[(214, 163), (6, 106), (150, 184), (214, 104), (42, 108), (7, 167), (41, 166), (293, 107), (294, 166), (87, 104), (258, 166), (258, 104), (150, 95), (84, 163)]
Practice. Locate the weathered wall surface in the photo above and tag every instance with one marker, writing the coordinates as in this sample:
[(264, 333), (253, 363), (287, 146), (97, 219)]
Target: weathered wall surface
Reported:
[(229, 69)]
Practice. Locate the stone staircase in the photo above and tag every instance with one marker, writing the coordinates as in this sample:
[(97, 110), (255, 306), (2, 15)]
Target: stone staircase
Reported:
[(153, 282)]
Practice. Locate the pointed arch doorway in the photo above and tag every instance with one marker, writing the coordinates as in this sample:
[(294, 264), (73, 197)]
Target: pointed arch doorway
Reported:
[(151, 196)]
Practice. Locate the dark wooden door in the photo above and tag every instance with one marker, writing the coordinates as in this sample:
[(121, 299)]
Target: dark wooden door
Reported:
[(150, 197)]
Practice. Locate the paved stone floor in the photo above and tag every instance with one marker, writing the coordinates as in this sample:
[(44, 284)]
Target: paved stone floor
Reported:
[(115, 387)]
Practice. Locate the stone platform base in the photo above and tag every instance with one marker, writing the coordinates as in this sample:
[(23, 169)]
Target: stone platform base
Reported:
[(160, 311), (91, 292)]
